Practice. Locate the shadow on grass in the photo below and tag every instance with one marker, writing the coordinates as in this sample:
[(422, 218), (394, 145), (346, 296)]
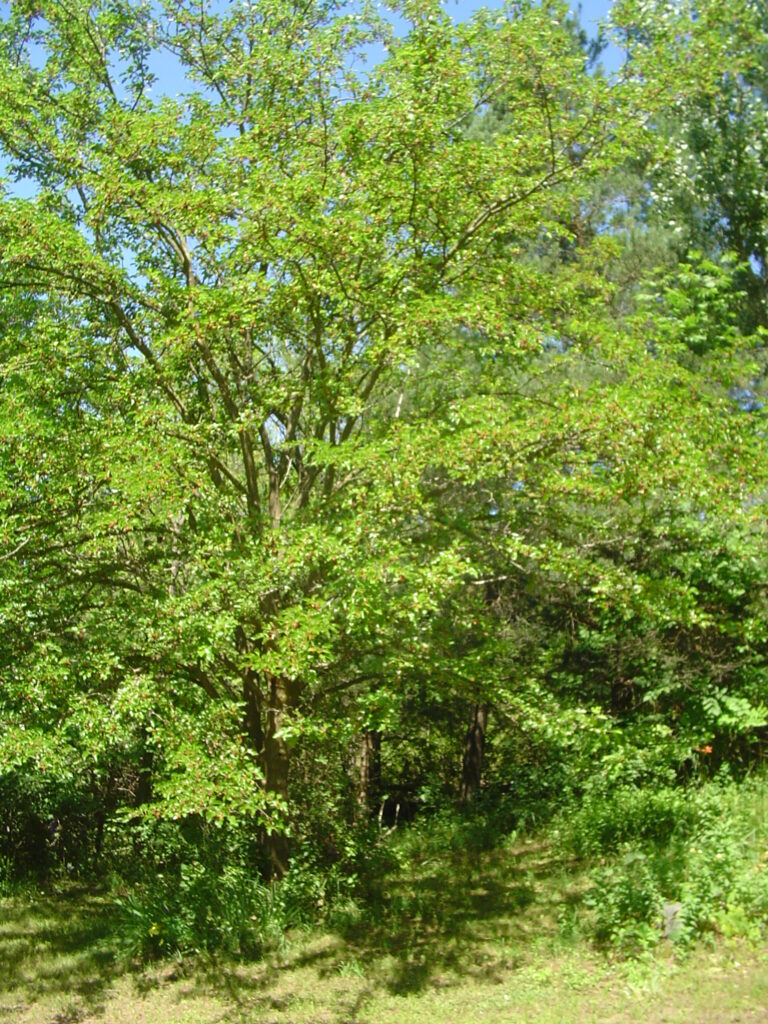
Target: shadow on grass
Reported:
[(461, 915), (57, 945), (446, 917), (443, 920)]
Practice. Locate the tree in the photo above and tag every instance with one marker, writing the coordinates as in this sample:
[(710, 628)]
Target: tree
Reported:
[(233, 285), (309, 439), (627, 457)]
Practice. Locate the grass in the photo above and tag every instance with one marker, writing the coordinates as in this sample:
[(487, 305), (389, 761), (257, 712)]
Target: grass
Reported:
[(457, 935)]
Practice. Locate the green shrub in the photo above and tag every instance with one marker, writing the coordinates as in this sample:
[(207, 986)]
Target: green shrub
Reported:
[(195, 887), (630, 814), (12, 882), (200, 909), (50, 824), (725, 884), (709, 864), (627, 903)]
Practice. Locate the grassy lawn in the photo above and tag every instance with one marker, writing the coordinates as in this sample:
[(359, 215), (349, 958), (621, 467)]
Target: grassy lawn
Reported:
[(463, 937)]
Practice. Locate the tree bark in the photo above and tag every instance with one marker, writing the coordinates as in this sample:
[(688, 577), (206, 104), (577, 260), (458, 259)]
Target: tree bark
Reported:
[(251, 698), (252, 719), (144, 787), (474, 745), (282, 697), (367, 771)]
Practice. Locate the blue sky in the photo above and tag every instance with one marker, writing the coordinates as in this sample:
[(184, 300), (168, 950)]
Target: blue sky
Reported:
[(593, 12)]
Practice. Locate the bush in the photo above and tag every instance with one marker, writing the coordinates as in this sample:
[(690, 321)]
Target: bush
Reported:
[(725, 885), (632, 815), (200, 909), (50, 825), (12, 882), (193, 887), (627, 903), (190, 886), (709, 865)]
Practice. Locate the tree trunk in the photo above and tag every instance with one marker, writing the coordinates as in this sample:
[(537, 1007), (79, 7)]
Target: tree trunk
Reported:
[(474, 744), (253, 726), (282, 697), (367, 771), (143, 793)]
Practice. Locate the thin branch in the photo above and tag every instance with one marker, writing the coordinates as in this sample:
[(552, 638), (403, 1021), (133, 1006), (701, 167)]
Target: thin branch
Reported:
[(19, 547)]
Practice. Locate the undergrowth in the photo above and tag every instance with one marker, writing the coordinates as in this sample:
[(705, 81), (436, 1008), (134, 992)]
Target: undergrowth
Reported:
[(675, 864), (626, 868)]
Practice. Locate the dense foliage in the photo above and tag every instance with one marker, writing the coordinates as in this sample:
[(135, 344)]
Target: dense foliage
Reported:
[(376, 437)]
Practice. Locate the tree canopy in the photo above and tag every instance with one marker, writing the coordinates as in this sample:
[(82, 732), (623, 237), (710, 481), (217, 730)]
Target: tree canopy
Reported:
[(358, 418)]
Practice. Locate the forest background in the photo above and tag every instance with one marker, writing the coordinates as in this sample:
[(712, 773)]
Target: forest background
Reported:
[(382, 444)]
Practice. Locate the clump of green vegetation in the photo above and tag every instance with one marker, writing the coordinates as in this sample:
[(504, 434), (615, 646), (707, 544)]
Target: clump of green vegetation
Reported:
[(678, 863), (201, 910)]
